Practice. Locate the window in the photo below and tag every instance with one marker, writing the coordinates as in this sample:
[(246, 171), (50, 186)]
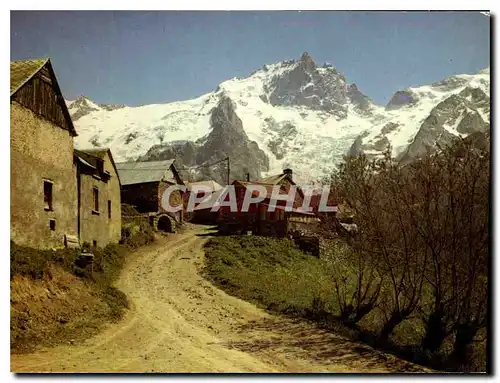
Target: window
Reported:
[(94, 243), (47, 194), (52, 224), (96, 200), (280, 215), (109, 209), (99, 170), (100, 166)]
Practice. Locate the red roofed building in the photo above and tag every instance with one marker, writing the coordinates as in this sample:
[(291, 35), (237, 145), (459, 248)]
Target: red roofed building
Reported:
[(260, 218)]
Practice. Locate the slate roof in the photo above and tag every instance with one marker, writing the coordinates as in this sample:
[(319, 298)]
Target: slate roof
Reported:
[(143, 172), (214, 186), (276, 179), (22, 71), (88, 156), (82, 160), (98, 152), (272, 179)]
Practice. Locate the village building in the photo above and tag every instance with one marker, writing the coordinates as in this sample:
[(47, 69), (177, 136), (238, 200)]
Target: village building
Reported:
[(98, 196), (43, 204), (202, 210), (300, 222), (49, 203), (259, 218), (45, 208), (143, 185)]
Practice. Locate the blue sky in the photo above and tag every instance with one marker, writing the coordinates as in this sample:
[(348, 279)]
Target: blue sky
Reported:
[(138, 58)]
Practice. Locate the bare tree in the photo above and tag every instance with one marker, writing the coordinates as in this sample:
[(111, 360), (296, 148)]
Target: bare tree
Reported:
[(356, 283), (453, 227), (372, 189), (424, 228)]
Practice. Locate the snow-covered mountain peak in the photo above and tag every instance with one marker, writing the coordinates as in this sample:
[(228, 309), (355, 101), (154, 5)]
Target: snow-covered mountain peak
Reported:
[(418, 118), (84, 105), (301, 84), (291, 114), (82, 101)]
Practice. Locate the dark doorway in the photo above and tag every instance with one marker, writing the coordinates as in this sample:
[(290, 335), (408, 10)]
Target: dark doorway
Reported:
[(164, 224)]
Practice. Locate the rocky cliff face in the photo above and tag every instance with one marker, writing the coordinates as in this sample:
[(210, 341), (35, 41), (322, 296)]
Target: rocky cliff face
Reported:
[(302, 83), (455, 116), (402, 98), (227, 138)]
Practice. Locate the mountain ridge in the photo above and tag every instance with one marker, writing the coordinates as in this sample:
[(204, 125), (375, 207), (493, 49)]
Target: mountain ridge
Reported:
[(293, 114)]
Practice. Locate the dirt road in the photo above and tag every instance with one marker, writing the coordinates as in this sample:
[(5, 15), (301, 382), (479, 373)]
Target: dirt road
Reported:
[(179, 322)]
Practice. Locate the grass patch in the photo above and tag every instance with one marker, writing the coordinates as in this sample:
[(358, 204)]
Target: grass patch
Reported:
[(270, 272)]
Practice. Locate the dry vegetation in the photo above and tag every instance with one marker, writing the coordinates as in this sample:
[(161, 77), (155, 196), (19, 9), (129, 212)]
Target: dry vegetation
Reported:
[(54, 300)]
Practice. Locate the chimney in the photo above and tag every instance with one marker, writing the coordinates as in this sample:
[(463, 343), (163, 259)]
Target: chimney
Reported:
[(248, 177), (288, 171)]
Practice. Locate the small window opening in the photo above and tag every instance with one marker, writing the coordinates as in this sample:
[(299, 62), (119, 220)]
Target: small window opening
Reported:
[(47, 195), (109, 209), (94, 243), (100, 167), (96, 199), (52, 224)]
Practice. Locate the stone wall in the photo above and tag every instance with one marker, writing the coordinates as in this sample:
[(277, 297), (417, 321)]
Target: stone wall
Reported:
[(305, 228), (175, 199), (147, 198), (99, 226), (40, 151)]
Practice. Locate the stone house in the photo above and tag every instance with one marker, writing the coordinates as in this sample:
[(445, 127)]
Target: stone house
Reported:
[(143, 185), (45, 206), (98, 196)]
